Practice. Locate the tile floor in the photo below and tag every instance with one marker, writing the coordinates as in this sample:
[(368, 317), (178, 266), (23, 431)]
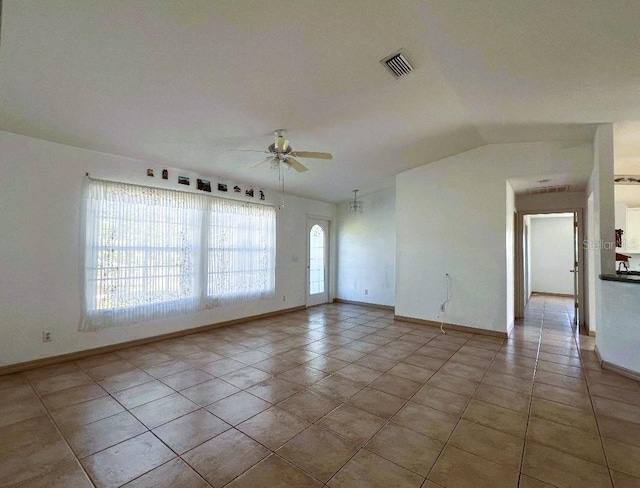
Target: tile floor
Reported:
[(337, 395)]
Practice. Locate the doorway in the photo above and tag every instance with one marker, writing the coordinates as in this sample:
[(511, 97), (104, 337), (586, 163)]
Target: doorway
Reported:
[(552, 257), (317, 261)]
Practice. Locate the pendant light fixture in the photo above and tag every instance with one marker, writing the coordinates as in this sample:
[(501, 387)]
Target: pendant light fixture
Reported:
[(355, 206)]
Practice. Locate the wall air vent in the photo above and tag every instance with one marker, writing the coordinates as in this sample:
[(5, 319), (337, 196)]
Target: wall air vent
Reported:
[(548, 189), (398, 64)]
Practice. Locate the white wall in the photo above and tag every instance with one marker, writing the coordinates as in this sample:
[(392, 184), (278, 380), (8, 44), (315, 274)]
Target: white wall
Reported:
[(552, 254), (367, 250), (40, 185), (550, 201), (451, 217)]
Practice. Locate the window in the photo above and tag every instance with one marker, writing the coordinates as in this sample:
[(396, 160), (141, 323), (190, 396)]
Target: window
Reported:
[(151, 253)]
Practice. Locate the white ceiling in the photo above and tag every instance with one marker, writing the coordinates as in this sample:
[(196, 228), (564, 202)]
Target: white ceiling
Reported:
[(180, 82)]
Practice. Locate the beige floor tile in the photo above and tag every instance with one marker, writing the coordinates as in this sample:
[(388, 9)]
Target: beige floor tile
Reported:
[(61, 382), (126, 380), (469, 360), (111, 368), (481, 352), (623, 457), (53, 370), (13, 380), (303, 375), (250, 357), (70, 476), (513, 369), (406, 448), (368, 470), (624, 395), (508, 382), (275, 390), (579, 443), (174, 474), (443, 400), (377, 363), (337, 387), (491, 444), (352, 423), (426, 420), (619, 430), (427, 362), (504, 398), (309, 405), (163, 410), (563, 470), (185, 379), (26, 433), (73, 396), (238, 407), (318, 451), (564, 414), (618, 410), (411, 372), (245, 377), (34, 460), (150, 359), (275, 365), (359, 374), (86, 412), (222, 367), (274, 472), (463, 370), (572, 371), (273, 427), (299, 356), (455, 384), (346, 354), (496, 417), (168, 367), (191, 430), (459, 469), (96, 436), (225, 457), (19, 403), (561, 381), (562, 395), (623, 480), (529, 482), (211, 391), (327, 364), (141, 394), (377, 402), (394, 385), (123, 462)]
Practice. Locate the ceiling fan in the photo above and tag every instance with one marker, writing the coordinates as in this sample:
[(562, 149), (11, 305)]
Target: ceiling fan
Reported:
[(281, 154)]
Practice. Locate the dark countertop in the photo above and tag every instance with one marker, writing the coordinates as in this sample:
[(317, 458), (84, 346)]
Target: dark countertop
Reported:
[(628, 277)]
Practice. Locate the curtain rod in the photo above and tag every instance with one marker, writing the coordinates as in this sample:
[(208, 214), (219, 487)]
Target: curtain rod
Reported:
[(265, 204)]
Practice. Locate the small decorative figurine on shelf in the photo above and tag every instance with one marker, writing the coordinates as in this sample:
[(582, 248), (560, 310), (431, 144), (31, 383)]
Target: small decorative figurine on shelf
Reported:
[(261, 195), (249, 192), (150, 172), (165, 174), (237, 189)]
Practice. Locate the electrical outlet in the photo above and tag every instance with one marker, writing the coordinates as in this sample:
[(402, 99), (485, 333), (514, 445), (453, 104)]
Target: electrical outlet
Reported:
[(46, 336), (366, 292)]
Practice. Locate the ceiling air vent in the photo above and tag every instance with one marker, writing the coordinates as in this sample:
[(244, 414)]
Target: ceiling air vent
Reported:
[(398, 64), (548, 189)]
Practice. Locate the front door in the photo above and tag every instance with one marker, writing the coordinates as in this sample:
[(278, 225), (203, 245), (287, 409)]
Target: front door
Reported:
[(317, 262)]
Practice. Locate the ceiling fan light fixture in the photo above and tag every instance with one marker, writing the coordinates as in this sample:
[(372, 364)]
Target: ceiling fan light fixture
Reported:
[(355, 205)]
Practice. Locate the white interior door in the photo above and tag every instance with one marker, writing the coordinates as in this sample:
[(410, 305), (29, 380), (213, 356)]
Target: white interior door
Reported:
[(317, 262)]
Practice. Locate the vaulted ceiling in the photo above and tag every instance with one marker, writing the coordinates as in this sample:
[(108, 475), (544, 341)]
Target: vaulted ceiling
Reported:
[(180, 82)]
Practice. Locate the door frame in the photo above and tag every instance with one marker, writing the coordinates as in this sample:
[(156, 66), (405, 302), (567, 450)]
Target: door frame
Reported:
[(520, 259), (331, 242)]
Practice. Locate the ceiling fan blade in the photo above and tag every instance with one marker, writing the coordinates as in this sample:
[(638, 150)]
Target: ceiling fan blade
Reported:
[(310, 154), (297, 165), (263, 160)]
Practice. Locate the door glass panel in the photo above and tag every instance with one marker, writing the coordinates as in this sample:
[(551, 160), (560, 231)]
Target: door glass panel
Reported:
[(316, 260)]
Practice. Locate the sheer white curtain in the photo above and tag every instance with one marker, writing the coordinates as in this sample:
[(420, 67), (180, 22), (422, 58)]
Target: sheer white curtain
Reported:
[(142, 253), (242, 252), (150, 253)]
